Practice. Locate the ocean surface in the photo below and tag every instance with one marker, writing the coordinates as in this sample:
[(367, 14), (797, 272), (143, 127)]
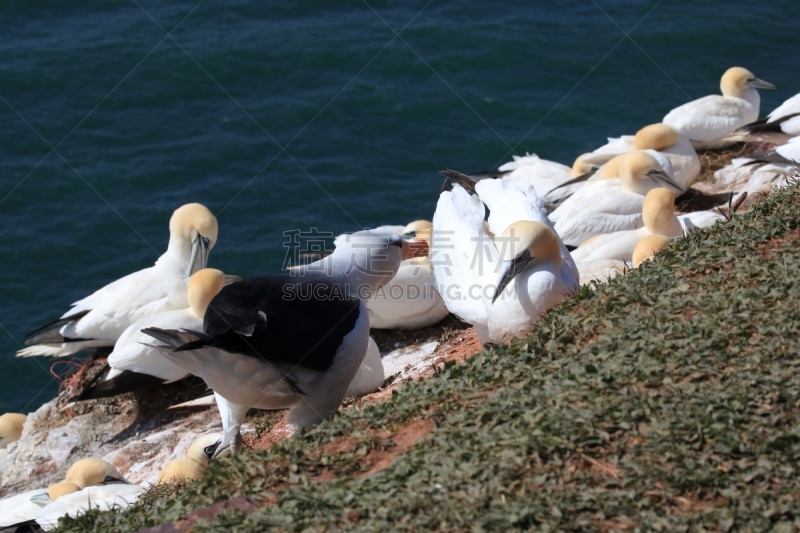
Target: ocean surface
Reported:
[(292, 115)]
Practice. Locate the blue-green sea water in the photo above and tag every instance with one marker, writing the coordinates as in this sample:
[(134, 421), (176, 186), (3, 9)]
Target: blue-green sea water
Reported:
[(336, 115)]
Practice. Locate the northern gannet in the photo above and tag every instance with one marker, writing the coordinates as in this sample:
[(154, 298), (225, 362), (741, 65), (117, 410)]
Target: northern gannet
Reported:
[(610, 205), (410, 300), (23, 508), (658, 216), (709, 120), (194, 464), (500, 285), (661, 138), (100, 318)]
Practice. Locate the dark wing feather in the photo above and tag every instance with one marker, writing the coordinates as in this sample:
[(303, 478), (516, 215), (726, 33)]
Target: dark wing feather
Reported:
[(49, 333), (762, 125), (305, 321), (127, 381)]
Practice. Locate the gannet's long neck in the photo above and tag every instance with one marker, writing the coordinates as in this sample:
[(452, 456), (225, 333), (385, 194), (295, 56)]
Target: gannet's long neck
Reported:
[(752, 96), (177, 256)]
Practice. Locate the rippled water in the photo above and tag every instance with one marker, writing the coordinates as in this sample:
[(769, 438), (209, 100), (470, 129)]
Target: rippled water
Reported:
[(297, 114)]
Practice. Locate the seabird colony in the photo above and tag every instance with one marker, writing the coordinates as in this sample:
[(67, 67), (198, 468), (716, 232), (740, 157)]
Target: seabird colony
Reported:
[(503, 247)]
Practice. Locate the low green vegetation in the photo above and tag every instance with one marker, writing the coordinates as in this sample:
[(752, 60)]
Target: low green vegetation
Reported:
[(668, 400)]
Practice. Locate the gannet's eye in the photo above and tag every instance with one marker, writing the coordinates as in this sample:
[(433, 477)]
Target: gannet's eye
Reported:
[(109, 478)]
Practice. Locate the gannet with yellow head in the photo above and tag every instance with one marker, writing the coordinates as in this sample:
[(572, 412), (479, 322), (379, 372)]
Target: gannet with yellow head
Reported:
[(410, 300), (86, 473), (610, 205), (194, 464), (661, 138), (101, 487), (500, 285), (100, 318), (709, 120)]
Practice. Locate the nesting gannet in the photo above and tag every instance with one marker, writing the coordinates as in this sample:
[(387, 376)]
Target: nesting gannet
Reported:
[(24, 507), (499, 285), (662, 138), (10, 431), (101, 498), (782, 123), (100, 318), (761, 171), (708, 120), (658, 215), (134, 363), (194, 464), (101, 487), (410, 300), (648, 247), (290, 341), (610, 205)]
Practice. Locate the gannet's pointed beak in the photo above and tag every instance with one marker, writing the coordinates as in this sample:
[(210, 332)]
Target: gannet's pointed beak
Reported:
[(114, 480), (200, 248), (508, 271), (759, 84), (41, 499), (230, 279), (415, 249), (660, 175)]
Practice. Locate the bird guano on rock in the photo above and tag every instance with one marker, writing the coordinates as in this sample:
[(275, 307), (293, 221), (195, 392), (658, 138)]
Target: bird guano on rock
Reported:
[(100, 318), (709, 120), (292, 341)]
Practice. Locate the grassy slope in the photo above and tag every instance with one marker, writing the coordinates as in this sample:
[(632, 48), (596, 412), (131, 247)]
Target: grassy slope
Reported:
[(667, 399)]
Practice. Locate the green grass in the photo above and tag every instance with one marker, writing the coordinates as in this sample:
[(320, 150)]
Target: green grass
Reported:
[(668, 399)]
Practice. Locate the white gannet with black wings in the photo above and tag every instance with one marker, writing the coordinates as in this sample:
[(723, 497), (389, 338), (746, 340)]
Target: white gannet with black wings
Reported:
[(289, 341), (100, 318), (502, 276), (709, 120)]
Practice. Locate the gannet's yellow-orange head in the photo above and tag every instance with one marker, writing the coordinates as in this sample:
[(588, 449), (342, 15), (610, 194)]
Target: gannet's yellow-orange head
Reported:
[(199, 455), (174, 471), (649, 246), (658, 213), (61, 489), (193, 229), (522, 245), (656, 137), (639, 172), (579, 168), (191, 220), (611, 168), (417, 226), (202, 288), (93, 471), (737, 80), (11, 428)]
